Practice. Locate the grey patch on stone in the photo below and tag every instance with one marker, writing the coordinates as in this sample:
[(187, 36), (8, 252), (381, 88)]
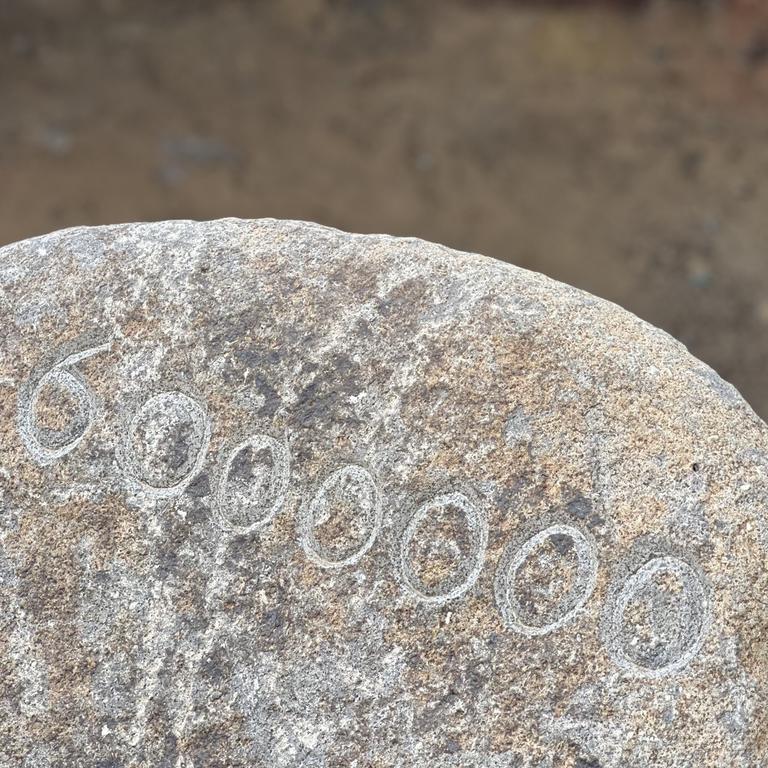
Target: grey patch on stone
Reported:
[(579, 507), (677, 617), (471, 563), (166, 443), (110, 600), (252, 485), (351, 487), (46, 446), (568, 606), (38, 757), (724, 390), (582, 762), (596, 736), (89, 253), (112, 684), (22, 650), (688, 513), (517, 430), (754, 489)]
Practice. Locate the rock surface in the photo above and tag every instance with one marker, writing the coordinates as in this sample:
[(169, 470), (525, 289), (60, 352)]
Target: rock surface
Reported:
[(275, 495)]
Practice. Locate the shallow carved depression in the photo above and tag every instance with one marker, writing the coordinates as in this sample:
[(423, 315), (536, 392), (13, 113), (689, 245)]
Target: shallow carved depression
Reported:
[(167, 441), (541, 585), (659, 618), (343, 518), (253, 484), (443, 548)]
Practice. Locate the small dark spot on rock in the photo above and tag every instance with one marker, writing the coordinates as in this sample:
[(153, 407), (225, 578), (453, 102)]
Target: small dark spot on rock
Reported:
[(170, 749), (270, 395), (452, 746), (274, 619), (696, 466), (579, 507), (586, 763), (562, 543), (256, 358), (215, 667), (168, 564), (415, 660), (200, 486)]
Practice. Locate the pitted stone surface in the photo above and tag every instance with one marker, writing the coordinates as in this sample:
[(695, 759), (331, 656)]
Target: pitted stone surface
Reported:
[(275, 495)]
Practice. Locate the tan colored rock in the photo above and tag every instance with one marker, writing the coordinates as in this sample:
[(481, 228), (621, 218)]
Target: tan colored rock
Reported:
[(275, 495)]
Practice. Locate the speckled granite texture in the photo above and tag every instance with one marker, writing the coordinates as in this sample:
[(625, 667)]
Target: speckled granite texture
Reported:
[(276, 495)]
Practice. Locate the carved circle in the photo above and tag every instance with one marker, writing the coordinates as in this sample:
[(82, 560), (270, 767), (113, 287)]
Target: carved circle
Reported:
[(667, 599), (253, 484), (467, 572), (570, 605), (351, 487), (47, 445), (166, 442)]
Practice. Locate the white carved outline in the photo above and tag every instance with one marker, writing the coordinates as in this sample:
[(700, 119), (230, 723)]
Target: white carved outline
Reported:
[(309, 514), (696, 591), (74, 383), (511, 563), (478, 530), (278, 482), (199, 415)]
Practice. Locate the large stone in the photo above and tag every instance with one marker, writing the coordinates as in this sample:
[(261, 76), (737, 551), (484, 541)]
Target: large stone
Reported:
[(275, 495)]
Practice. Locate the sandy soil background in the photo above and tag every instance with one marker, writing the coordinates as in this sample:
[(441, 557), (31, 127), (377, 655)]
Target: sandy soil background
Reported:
[(625, 153)]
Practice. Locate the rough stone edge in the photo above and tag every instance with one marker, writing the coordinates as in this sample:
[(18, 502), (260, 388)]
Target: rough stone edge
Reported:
[(728, 392)]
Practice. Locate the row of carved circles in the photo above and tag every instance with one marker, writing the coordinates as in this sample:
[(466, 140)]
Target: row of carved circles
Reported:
[(357, 485)]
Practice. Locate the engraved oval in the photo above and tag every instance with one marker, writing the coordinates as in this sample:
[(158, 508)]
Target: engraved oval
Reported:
[(659, 618), (253, 484), (446, 565), (57, 409), (347, 505), (167, 442), (556, 570), (60, 413)]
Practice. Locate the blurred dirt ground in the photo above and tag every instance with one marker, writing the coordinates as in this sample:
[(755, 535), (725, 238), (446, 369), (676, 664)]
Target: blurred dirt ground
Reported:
[(625, 153)]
